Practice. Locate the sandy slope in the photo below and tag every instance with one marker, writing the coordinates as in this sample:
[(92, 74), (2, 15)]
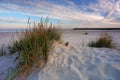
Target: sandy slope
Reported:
[(6, 65), (80, 64), (73, 63)]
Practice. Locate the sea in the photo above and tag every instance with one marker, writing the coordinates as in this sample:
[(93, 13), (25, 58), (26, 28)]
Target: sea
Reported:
[(74, 37)]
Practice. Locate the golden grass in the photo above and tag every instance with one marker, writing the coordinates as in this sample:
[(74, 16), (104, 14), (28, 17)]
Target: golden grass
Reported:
[(33, 47), (105, 40)]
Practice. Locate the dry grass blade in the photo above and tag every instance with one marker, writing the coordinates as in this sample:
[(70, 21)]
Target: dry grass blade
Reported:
[(34, 45), (105, 40)]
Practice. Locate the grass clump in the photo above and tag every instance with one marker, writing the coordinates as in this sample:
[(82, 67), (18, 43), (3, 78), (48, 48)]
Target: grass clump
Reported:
[(33, 46), (105, 40)]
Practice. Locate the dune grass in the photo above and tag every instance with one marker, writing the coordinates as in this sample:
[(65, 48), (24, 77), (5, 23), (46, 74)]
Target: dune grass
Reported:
[(105, 40), (33, 47)]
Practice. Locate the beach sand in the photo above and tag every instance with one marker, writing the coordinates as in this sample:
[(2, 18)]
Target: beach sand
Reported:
[(72, 63)]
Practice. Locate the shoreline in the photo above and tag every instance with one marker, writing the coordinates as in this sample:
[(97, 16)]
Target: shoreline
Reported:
[(76, 37), (96, 28)]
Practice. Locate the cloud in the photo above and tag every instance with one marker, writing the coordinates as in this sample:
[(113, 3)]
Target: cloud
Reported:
[(108, 7), (70, 3), (118, 7), (12, 20), (70, 12), (52, 10)]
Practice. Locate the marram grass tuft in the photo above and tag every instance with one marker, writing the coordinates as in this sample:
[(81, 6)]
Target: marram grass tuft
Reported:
[(105, 40), (33, 47)]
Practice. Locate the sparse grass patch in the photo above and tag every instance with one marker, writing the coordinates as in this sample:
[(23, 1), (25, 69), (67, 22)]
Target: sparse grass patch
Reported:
[(105, 40), (33, 47)]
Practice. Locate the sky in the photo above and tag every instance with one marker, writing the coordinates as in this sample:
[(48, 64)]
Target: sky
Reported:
[(68, 13)]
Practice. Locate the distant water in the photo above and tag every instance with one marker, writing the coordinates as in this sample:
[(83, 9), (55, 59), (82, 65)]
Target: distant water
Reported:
[(74, 37), (12, 30)]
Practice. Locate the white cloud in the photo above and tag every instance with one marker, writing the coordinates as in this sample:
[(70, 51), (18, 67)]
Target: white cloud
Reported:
[(70, 3), (109, 7), (118, 7), (53, 10), (12, 20), (67, 13)]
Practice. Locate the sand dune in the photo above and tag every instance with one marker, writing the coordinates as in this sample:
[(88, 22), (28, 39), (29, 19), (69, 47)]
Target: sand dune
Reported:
[(81, 64), (73, 63)]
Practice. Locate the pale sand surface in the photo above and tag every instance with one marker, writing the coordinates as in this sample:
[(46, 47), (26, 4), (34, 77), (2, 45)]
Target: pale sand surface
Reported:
[(80, 64), (72, 63)]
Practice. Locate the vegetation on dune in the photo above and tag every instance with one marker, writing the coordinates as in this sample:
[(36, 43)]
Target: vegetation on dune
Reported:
[(105, 40), (33, 47)]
